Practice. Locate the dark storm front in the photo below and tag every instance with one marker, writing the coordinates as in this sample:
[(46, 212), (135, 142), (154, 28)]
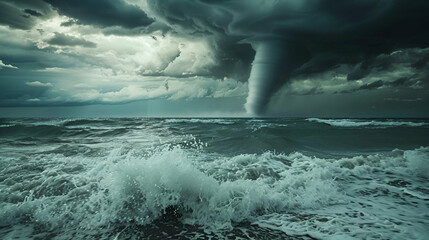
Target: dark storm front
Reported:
[(214, 178)]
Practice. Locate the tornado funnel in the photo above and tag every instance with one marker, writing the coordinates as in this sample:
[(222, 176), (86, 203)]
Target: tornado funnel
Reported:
[(269, 72)]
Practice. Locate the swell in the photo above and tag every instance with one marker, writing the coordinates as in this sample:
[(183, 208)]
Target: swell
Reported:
[(27, 133), (80, 122), (32, 130)]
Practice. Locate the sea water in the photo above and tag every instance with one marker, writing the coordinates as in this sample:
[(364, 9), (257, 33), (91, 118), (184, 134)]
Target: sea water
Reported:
[(154, 178)]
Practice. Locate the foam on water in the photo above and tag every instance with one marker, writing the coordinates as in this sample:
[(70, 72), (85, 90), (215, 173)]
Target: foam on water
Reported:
[(377, 200), (129, 187), (201, 120), (365, 123), (381, 196)]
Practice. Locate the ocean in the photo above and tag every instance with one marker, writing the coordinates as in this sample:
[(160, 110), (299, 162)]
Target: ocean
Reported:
[(206, 178)]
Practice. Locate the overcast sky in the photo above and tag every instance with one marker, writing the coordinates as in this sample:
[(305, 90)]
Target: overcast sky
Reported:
[(296, 58)]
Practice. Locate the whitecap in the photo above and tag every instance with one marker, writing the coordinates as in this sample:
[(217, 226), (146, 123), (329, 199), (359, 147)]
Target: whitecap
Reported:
[(366, 123)]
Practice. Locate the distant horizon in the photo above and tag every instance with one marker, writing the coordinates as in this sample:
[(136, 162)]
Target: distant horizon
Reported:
[(24, 114)]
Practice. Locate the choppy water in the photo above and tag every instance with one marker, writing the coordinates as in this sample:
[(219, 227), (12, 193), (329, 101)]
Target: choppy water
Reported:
[(214, 178)]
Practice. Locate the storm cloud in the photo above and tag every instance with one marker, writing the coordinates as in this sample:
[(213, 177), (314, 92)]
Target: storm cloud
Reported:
[(14, 17), (23, 14), (103, 13), (321, 33), (33, 12), (60, 39), (264, 52)]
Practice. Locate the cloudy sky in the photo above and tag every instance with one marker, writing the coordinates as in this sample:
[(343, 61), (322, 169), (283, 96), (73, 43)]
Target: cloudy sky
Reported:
[(327, 58)]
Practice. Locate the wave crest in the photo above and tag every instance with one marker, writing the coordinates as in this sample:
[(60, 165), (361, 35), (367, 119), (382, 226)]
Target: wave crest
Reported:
[(365, 123)]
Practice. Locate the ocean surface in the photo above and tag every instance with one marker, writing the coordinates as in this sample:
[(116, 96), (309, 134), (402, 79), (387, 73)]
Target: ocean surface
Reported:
[(156, 178)]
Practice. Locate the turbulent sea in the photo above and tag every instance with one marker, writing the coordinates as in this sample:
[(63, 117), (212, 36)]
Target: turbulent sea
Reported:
[(153, 178)]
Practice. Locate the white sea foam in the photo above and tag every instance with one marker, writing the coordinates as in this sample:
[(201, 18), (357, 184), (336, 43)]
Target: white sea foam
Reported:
[(44, 122), (376, 208), (255, 126), (201, 120), (347, 198), (417, 161), (131, 187), (366, 123)]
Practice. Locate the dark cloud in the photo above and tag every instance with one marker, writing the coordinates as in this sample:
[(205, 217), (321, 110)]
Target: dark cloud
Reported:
[(313, 36), (234, 60), (414, 58), (375, 45), (37, 5), (373, 85), (192, 16), (104, 13), (69, 23), (399, 70), (61, 39), (142, 30), (403, 81), (33, 12), (358, 73), (14, 17), (23, 14), (398, 83), (422, 61)]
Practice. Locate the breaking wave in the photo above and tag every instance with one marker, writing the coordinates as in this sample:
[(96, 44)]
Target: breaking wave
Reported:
[(201, 120), (272, 190), (366, 123)]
